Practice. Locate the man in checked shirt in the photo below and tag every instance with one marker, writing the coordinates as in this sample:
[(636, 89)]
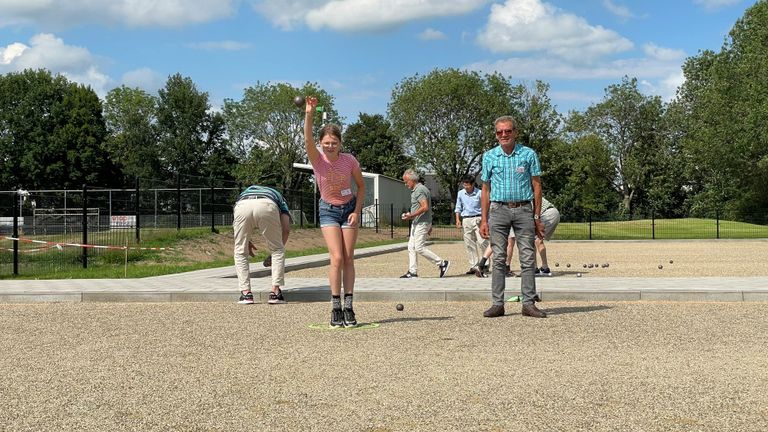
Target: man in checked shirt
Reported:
[(511, 200)]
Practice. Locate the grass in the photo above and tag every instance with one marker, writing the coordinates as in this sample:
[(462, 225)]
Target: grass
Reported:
[(661, 229), (116, 264)]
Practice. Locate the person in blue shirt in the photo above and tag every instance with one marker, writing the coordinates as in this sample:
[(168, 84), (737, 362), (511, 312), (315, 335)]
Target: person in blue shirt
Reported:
[(265, 209), (511, 200), (468, 213)]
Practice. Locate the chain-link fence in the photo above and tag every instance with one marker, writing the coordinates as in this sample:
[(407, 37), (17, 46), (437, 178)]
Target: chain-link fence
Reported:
[(46, 231)]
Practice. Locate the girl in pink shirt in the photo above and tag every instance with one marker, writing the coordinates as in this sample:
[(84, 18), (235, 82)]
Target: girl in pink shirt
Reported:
[(339, 210)]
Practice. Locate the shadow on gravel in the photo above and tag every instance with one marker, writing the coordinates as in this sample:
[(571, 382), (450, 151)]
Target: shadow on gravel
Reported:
[(574, 309), (414, 319)]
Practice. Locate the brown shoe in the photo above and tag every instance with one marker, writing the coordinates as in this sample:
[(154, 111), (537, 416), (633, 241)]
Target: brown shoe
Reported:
[(532, 311), (494, 311)]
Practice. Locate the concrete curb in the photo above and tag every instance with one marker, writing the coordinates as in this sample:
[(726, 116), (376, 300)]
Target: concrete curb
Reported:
[(215, 285)]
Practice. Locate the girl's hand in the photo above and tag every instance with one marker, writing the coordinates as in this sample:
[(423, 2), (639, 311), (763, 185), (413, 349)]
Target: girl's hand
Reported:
[(352, 219), (311, 104)]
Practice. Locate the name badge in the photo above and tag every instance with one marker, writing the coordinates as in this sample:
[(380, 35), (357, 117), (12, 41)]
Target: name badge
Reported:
[(345, 192)]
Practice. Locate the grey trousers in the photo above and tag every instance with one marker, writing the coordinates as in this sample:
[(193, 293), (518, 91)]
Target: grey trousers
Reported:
[(501, 220)]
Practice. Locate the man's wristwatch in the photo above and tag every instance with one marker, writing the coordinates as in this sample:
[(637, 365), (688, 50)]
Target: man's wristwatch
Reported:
[(536, 217)]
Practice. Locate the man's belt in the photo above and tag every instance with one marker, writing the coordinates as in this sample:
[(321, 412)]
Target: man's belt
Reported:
[(471, 216), (513, 204)]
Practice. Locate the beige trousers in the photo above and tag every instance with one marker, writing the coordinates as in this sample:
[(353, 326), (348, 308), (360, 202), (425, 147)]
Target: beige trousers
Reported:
[(260, 214)]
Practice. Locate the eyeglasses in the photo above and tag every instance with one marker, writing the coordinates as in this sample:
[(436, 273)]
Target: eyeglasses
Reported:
[(504, 132)]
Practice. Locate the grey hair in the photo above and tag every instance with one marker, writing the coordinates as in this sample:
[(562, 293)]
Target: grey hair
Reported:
[(506, 119), (411, 174)]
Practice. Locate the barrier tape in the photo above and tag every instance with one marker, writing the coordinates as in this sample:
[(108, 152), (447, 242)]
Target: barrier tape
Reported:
[(59, 245)]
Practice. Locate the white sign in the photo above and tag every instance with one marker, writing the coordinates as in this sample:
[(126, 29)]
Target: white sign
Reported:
[(122, 221), (8, 221)]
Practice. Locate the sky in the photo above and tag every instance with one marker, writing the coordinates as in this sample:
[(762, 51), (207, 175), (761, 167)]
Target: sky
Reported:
[(358, 50)]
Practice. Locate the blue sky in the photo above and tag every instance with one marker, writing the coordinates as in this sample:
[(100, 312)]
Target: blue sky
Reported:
[(359, 49)]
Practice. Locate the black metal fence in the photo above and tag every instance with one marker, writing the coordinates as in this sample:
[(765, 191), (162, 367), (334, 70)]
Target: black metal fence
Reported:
[(47, 231)]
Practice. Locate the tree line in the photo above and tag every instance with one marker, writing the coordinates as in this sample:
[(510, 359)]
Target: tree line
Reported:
[(628, 155)]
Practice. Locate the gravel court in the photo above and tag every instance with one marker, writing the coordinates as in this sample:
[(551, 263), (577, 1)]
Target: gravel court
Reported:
[(631, 366), (690, 258)]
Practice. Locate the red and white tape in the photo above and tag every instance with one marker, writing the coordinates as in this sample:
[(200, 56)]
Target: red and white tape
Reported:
[(59, 245)]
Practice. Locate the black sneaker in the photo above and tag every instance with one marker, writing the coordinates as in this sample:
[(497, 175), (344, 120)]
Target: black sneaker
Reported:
[(537, 272), (444, 267), (544, 271), (276, 298), (349, 318), (337, 318), (267, 261), (409, 275), (246, 298)]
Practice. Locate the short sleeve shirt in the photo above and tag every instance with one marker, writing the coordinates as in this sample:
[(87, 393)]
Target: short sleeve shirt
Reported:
[(334, 179), (509, 175), (421, 193)]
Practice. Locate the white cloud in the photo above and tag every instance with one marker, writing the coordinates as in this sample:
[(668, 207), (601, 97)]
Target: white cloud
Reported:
[(143, 78), (60, 14), (535, 26), (359, 15), (618, 10), (432, 34), (663, 54), (49, 52), (287, 14), (10, 52), (716, 4), (226, 45), (659, 70)]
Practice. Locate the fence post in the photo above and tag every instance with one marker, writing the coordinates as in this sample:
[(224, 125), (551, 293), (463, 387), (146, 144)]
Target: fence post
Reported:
[(590, 225), (717, 219), (178, 202), (138, 212), (301, 209), (376, 213), (16, 214), (391, 220), (213, 207), (85, 226), (653, 225)]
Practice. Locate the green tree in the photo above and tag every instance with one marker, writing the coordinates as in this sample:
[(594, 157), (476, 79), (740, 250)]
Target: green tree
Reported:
[(375, 146), (183, 124), (266, 131), (445, 119), (724, 138), (51, 133), (588, 188), (131, 117), (630, 124), (78, 141), (540, 128)]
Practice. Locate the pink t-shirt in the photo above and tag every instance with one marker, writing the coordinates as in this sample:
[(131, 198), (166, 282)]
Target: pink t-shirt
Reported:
[(334, 179)]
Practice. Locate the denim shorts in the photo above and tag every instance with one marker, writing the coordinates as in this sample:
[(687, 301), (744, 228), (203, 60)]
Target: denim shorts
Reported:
[(334, 215)]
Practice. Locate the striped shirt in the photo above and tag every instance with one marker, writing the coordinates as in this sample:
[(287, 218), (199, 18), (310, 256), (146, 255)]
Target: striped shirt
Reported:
[(266, 192), (334, 179), (509, 175)]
